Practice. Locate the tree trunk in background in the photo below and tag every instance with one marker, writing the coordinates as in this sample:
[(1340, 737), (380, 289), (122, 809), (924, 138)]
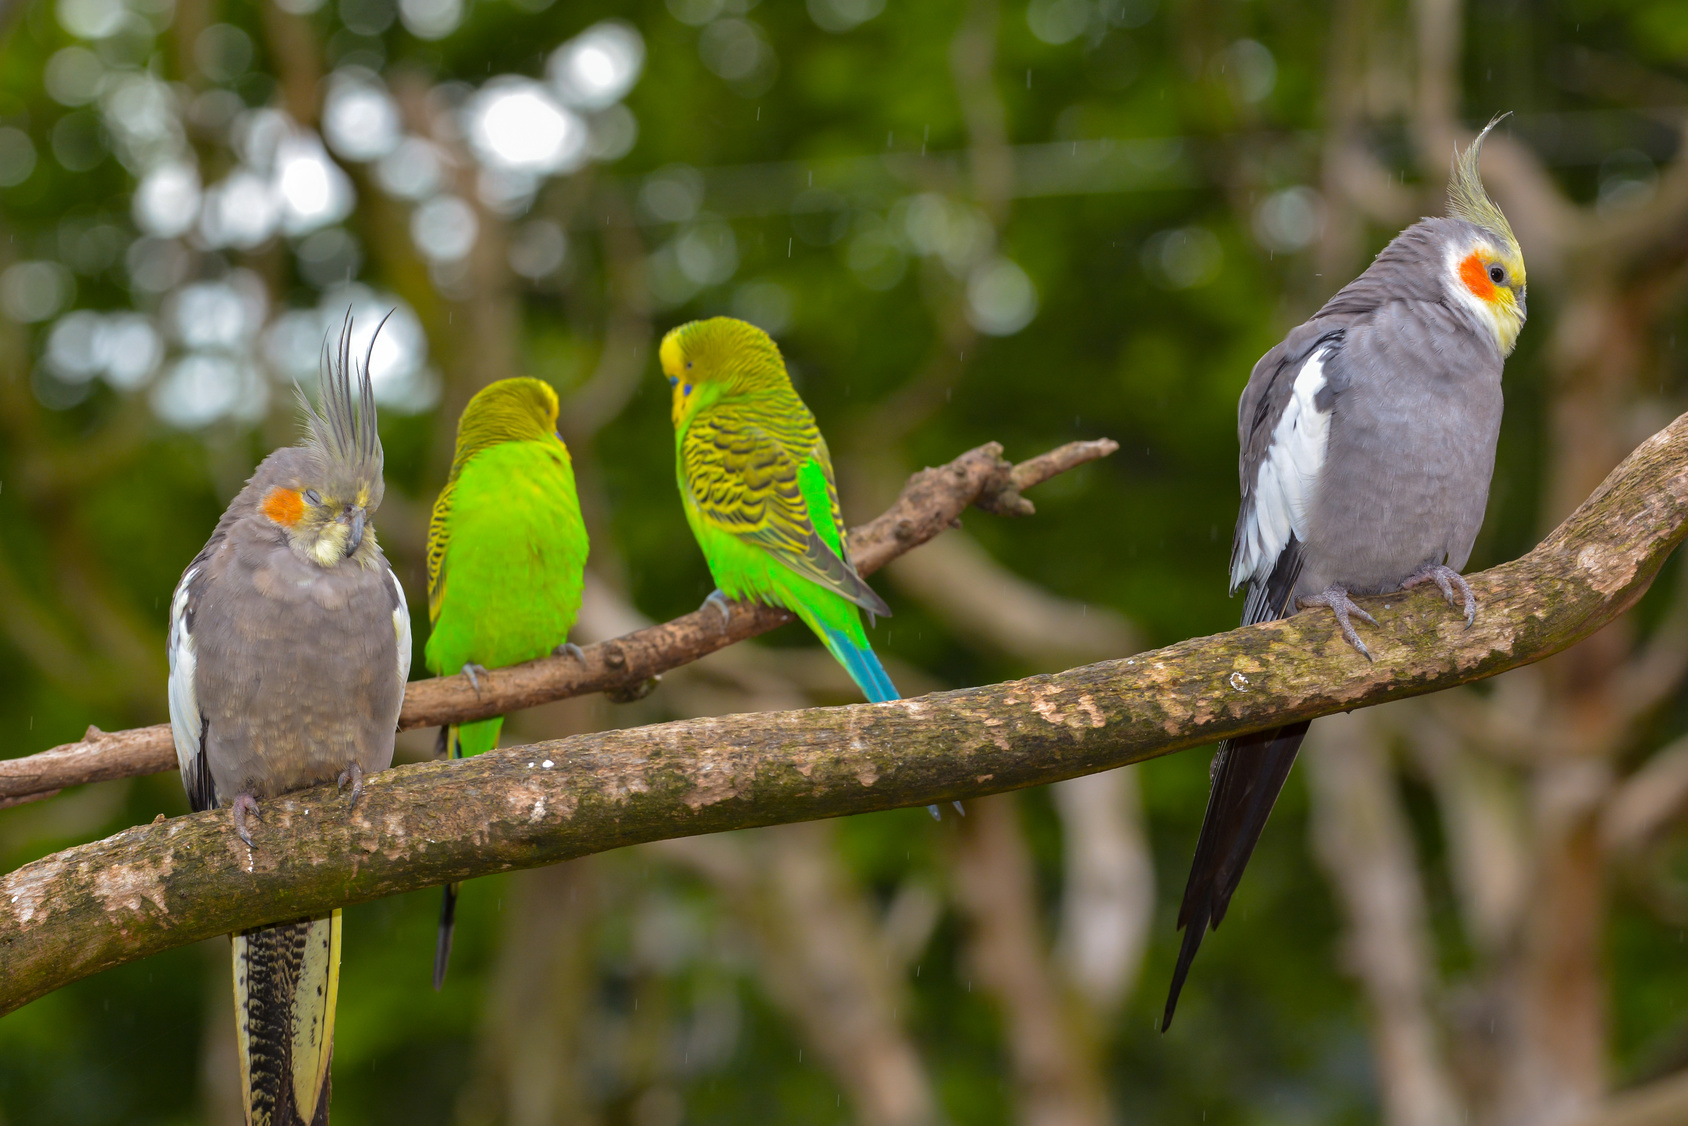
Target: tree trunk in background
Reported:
[(1054, 1070), (1361, 836)]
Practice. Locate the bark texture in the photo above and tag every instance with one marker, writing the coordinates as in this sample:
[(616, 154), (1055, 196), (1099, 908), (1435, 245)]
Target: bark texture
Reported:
[(171, 882), (932, 502)]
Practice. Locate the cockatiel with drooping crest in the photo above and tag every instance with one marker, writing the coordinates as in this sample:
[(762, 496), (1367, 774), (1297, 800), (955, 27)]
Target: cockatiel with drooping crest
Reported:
[(1368, 441), (757, 485), (506, 558), (289, 650)]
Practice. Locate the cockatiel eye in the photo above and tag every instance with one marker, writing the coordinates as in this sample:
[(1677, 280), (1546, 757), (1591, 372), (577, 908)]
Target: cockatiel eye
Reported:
[(312, 497), (1497, 274)]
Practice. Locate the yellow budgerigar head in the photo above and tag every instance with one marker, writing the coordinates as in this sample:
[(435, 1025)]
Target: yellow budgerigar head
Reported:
[(508, 410), (704, 360)]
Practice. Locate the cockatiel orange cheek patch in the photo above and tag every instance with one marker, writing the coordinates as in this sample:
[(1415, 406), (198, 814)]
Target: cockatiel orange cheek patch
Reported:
[(284, 506), (1475, 275)]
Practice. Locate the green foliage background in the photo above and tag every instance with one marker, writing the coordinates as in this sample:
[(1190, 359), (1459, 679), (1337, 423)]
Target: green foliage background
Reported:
[(101, 506)]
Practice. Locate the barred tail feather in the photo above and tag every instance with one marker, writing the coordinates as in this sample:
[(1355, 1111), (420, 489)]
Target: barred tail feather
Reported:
[(286, 982)]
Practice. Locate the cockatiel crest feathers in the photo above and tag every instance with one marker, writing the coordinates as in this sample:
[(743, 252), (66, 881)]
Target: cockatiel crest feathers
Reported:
[(342, 433), (1468, 199)]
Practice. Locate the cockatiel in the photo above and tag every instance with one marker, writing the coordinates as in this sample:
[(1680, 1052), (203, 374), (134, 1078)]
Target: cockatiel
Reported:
[(289, 649), (1368, 441), (506, 558), (757, 485)]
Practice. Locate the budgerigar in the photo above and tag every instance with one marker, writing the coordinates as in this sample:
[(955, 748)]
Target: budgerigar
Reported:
[(757, 484), (289, 649), (506, 556)]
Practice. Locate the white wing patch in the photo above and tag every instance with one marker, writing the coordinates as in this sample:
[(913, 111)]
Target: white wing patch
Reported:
[(401, 628), (1283, 489), (185, 723)]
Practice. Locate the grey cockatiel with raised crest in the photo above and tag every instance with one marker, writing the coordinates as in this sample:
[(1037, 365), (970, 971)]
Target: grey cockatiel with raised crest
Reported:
[(289, 650), (1368, 441)]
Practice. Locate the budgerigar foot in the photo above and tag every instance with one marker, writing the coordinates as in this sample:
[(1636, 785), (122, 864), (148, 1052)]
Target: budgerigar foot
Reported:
[(245, 806), (570, 649), (719, 603), (1447, 580), (353, 774), (1336, 599), (470, 669)]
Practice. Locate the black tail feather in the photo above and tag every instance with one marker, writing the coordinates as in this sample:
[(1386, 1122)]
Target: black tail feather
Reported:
[(1248, 774), (442, 948)]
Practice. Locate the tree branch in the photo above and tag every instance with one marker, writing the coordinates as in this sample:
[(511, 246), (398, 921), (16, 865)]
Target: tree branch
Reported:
[(161, 885), (931, 503)]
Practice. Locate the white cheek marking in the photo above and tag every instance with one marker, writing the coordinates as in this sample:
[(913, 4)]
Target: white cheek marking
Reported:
[(1498, 317), (1288, 475)]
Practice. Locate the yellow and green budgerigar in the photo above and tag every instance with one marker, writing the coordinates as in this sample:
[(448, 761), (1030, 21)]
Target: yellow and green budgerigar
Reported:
[(757, 484), (506, 557)]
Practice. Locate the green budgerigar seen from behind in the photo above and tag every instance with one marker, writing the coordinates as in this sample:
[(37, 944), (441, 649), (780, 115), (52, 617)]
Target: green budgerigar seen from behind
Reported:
[(506, 558)]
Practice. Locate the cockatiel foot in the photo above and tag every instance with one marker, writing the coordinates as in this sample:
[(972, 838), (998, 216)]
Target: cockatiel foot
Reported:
[(1447, 580), (1336, 600), (245, 806), (570, 649), (470, 669), (353, 774), (719, 603)]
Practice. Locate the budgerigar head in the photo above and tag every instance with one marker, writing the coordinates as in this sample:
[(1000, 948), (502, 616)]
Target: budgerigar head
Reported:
[(704, 360), (327, 495), (1484, 263), (510, 410)]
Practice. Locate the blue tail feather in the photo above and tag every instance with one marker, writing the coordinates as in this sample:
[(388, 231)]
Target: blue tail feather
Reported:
[(862, 663), (863, 666)]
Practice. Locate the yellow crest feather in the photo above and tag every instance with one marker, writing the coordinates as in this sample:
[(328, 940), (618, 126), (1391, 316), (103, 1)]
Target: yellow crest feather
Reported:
[(1468, 199)]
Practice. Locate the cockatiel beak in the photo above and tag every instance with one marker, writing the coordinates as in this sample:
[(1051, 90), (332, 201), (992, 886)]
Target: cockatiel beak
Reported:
[(356, 521), (1523, 310)]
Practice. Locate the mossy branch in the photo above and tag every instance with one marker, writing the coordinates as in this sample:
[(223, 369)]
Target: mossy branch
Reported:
[(161, 885), (931, 503)]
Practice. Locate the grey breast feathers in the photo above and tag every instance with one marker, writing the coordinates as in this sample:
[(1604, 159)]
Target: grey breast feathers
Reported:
[(282, 672), (1287, 413)]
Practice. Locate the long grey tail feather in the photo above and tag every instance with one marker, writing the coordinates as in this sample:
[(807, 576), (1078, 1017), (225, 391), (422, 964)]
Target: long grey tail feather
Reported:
[(286, 982), (1249, 773), (442, 948)]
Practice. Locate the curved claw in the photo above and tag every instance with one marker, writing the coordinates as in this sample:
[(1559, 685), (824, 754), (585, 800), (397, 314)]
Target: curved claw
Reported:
[(933, 810), (470, 668), (718, 602), (245, 806), (1336, 600), (570, 649), (353, 774), (1447, 580)]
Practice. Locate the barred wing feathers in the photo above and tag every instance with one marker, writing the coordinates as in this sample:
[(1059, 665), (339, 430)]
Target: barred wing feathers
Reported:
[(744, 480)]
